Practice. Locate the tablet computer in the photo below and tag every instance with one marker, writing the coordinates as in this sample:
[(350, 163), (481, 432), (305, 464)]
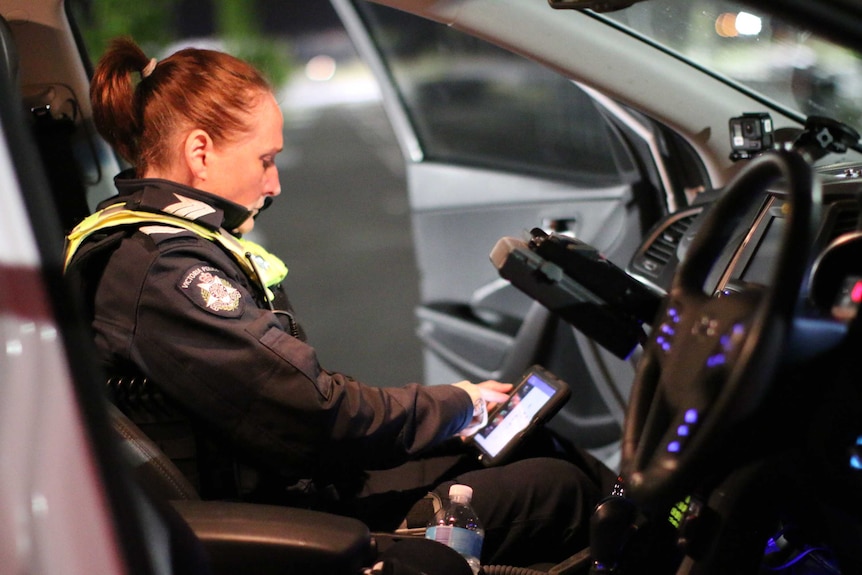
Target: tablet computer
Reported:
[(537, 397)]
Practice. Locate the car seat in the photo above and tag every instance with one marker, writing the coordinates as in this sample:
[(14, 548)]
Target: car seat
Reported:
[(244, 537), (263, 539)]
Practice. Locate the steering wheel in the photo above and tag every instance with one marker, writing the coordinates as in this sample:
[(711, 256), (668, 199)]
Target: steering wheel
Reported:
[(709, 361)]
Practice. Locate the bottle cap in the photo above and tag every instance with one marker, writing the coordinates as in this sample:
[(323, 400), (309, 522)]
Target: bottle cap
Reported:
[(459, 490)]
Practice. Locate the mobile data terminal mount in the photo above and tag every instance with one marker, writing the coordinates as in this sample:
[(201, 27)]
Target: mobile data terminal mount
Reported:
[(573, 280)]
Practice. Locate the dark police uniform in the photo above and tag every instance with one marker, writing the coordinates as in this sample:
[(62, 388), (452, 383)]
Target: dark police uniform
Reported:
[(176, 298)]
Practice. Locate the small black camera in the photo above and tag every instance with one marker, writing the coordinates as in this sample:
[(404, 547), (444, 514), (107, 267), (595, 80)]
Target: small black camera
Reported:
[(750, 134)]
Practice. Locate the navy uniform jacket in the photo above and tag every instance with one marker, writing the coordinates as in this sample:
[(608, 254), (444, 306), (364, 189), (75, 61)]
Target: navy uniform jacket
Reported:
[(179, 309)]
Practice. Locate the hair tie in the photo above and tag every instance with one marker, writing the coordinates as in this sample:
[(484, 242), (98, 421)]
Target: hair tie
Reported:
[(148, 69)]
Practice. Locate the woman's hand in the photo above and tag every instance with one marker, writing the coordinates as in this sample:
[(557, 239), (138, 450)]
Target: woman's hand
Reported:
[(485, 396), (494, 392)]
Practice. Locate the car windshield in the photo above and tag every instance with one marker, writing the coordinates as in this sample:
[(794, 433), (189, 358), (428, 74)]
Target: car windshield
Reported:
[(793, 68)]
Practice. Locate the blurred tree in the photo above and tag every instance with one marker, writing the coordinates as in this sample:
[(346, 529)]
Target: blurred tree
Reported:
[(156, 25), (239, 26), (150, 23)]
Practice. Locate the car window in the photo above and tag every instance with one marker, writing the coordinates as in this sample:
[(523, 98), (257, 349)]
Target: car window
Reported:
[(476, 104)]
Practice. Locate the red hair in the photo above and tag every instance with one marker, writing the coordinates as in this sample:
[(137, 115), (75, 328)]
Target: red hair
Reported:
[(193, 88)]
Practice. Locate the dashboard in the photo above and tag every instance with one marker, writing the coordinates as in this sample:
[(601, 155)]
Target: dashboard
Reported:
[(834, 284)]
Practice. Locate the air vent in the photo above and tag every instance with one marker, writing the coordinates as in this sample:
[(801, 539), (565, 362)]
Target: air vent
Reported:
[(655, 262), (665, 242)]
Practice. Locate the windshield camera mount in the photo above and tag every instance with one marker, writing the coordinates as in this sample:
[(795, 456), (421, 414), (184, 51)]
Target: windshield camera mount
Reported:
[(822, 136)]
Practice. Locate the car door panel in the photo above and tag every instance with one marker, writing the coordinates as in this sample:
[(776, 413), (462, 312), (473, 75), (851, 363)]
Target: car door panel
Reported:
[(487, 158), (451, 228)]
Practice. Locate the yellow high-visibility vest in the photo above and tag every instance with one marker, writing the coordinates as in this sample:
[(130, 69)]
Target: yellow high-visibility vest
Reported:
[(258, 263)]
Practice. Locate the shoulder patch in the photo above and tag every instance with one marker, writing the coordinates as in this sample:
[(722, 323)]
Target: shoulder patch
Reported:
[(209, 289)]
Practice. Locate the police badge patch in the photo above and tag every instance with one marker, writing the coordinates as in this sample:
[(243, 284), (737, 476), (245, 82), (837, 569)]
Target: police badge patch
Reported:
[(208, 288)]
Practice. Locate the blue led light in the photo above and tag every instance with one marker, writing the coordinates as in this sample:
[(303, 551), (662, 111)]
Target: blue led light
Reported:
[(855, 461), (673, 446), (738, 329), (772, 546), (725, 342), (682, 431), (691, 416), (660, 340), (715, 360), (859, 440), (665, 346), (665, 328)]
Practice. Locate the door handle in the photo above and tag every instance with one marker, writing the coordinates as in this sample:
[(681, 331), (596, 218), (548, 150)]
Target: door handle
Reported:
[(561, 226)]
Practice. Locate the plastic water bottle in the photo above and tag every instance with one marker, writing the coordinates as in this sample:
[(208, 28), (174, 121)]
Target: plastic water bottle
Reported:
[(458, 526)]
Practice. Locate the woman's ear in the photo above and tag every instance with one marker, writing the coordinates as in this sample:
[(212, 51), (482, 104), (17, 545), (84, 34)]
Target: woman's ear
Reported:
[(197, 151)]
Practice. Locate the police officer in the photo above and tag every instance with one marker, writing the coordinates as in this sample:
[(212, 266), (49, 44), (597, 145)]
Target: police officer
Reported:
[(179, 297)]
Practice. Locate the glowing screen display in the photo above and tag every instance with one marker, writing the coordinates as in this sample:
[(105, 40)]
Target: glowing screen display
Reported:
[(515, 415)]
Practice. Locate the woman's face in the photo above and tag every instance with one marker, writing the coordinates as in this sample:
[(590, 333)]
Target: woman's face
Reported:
[(243, 170)]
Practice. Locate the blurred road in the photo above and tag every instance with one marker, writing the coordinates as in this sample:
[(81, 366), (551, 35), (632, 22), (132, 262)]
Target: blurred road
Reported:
[(342, 225)]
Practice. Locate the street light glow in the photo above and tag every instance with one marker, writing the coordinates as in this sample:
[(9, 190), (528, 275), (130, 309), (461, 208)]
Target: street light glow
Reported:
[(729, 25)]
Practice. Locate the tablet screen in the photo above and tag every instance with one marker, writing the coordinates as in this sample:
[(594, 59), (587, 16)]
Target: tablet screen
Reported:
[(515, 416)]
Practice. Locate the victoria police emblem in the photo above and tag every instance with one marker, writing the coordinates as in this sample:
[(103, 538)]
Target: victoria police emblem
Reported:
[(209, 289)]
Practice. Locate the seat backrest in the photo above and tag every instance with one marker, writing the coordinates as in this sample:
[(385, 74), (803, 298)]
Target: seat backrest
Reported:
[(159, 419), (153, 468)]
